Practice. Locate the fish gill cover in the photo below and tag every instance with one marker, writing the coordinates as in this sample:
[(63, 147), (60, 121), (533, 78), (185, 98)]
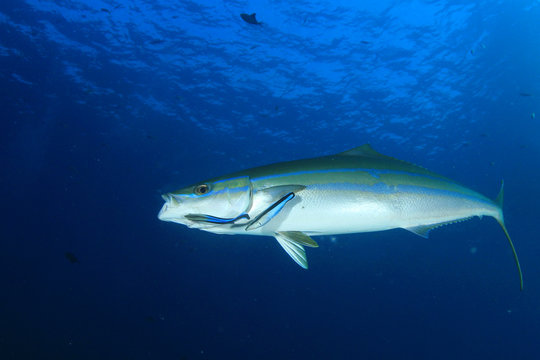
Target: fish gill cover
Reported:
[(108, 104)]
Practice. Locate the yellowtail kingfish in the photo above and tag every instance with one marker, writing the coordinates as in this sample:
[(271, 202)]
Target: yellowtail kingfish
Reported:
[(355, 191)]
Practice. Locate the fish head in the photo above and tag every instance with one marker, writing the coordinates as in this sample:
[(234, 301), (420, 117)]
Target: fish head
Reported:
[(210, 204)]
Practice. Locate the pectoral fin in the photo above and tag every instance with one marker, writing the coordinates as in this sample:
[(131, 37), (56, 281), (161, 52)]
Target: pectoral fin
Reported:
[(276, 192), (267, 215), (292, 242), (284, 194), (277, 196)]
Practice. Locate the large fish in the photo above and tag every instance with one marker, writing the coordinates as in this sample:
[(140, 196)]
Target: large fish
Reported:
[(359, 190)]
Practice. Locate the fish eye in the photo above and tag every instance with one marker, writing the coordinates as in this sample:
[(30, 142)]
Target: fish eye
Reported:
[(202, 189)]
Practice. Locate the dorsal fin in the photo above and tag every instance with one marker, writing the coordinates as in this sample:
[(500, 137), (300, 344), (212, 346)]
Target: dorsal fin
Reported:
[(367, 151), (364, 150)]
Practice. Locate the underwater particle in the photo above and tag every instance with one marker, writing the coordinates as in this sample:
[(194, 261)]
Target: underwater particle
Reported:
[(69, 341), (250, 19), (333, 239), (533, 115), (71, 257), (473, 250)]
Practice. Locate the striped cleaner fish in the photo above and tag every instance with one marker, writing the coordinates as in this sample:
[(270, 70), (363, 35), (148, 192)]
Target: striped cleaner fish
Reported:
[(359, 190)]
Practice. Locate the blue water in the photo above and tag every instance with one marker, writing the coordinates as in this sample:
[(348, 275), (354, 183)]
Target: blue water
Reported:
[(107, 104)]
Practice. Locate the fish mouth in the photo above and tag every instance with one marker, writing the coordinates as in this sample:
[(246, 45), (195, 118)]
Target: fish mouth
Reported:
[(171, 202), (169, 212), (163, 211), (170, 199)]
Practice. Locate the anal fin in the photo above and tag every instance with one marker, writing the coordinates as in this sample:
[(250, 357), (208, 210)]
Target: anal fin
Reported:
[(423, 230)]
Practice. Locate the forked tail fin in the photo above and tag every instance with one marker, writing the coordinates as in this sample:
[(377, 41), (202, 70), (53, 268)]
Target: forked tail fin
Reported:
[(500, 220)]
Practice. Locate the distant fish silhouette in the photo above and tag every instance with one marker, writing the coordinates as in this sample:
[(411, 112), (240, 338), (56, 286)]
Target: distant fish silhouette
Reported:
[(525, 94), (250, 19), (71, 257)]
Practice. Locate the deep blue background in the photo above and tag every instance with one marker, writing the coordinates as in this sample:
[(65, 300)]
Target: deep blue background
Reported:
[(107, 104)]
